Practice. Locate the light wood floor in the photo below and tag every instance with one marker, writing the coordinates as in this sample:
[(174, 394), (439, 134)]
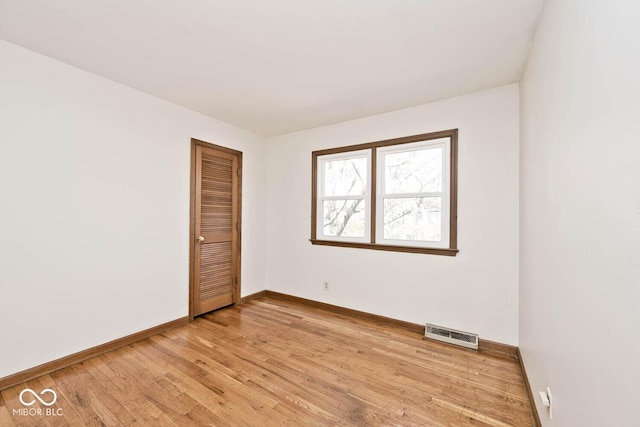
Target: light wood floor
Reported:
[(276, 363)]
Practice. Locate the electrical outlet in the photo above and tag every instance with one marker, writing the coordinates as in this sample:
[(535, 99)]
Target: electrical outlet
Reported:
[(547, 401), (326, 286)]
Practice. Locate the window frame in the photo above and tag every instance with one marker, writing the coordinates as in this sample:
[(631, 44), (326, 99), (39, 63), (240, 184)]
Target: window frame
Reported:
[(375, 196), (443, 194), (366, 197)]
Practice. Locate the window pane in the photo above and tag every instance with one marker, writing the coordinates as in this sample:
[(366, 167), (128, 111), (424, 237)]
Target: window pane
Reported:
[(345, 177), (413, 219), (416, 171), (343, 218)]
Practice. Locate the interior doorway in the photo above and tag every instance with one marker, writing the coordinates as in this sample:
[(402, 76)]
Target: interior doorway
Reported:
[(216, 182)]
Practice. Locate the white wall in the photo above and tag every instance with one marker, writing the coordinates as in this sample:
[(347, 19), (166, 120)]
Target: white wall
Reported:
[(94, 208), (580, 212), (475, 291)]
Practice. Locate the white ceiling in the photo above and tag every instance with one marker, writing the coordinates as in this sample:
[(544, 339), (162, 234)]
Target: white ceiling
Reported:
[(279, 66)]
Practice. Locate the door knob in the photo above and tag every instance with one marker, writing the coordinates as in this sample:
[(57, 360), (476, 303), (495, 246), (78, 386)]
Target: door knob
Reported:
[(200, 239)]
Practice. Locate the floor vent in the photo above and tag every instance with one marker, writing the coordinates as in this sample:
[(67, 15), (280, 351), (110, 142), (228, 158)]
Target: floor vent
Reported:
[(451, 336)]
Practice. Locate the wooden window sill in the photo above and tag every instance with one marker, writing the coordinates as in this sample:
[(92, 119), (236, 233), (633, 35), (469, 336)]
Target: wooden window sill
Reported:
[(392, 248)]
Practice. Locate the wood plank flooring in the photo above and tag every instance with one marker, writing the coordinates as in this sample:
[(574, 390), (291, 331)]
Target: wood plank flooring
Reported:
[(277, 363)]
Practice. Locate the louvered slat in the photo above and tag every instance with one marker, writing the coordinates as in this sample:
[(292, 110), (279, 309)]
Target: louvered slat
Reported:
[(215, 270), (216, 195), (217, 204)]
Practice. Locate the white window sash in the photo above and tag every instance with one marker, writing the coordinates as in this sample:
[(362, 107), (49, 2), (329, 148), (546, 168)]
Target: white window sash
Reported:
[(321, 198), (445, 194)]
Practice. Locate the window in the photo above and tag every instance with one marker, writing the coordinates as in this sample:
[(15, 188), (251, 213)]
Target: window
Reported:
[(344, 196), (396, 195)]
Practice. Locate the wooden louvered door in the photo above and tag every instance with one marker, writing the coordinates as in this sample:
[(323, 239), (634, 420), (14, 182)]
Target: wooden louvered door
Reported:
[(216, 229)]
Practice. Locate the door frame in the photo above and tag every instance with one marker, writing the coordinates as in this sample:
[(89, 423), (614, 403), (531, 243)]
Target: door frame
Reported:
[(192, 222)]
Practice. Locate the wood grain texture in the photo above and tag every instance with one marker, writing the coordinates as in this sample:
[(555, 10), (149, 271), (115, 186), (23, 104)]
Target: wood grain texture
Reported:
[(388, 248), (498, 349), (247, 298), (484, 346), (530, 394), (453, 191), (215, 213), (216, 250), (215, 270), (414, 327), (271, 362), (452, 250), (217, 195), (37, 371)]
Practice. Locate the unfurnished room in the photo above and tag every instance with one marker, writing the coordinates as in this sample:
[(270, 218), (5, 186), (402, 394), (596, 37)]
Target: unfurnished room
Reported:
[(320, 213)]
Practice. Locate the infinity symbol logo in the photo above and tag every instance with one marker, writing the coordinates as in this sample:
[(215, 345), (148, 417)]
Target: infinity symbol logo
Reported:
[(34, 394)]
